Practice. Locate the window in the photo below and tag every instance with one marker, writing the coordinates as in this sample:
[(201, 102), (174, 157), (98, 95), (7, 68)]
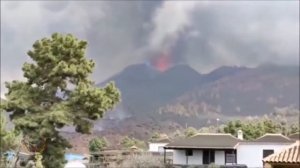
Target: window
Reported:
[(267, 152), (211, 156), (230, 156), (205, 156), (208, 156), (189, 152)]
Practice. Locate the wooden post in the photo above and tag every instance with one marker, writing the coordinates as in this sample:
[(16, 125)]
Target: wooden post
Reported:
[(235, 158), (165, 155), (209, 159), (187, 160)]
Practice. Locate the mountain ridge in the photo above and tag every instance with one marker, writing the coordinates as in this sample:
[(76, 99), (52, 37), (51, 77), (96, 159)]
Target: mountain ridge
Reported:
[(146, 90)]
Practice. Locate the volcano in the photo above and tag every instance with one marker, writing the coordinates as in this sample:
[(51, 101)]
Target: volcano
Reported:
[(182, 95), (145, 88), (162, 62)]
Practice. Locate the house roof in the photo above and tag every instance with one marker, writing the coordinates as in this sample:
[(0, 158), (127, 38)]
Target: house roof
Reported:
[(275, 138), (161, 140), (289, 155), (295, 136), (205, 140)]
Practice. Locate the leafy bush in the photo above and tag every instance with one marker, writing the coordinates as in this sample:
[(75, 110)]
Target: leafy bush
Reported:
[(127, 143), (97, 144), (190, 131)]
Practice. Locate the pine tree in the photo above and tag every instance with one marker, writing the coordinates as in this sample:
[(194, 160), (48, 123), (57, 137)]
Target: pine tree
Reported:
[(9, 139), (57, 92)]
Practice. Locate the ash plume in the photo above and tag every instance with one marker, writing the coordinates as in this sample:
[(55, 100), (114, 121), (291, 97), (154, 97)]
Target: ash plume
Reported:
[(202, 34)]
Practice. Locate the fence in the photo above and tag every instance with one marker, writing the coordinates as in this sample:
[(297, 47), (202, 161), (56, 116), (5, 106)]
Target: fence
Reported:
[(113, 158)]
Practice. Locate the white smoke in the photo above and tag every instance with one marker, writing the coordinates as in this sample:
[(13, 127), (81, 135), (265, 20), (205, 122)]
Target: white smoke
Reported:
[(172, 18), (203, 34)]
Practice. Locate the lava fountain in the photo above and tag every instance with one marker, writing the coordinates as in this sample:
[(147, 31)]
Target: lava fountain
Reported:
[(162, 62)]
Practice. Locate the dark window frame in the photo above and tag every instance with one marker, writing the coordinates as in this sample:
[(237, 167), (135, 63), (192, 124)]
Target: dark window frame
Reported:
[(205, 156), (267, 152), (208, 156), (189, 152), (233, 154)]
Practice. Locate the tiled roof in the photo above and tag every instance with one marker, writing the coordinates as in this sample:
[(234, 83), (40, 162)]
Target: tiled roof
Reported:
[(273, 138), (295, 136), (217, 141), (289, 155), (161, 140)]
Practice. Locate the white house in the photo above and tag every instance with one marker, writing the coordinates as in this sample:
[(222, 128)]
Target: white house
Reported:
[(251, 153), (225, 149), (158, 145), (204, 149), (280, 159)]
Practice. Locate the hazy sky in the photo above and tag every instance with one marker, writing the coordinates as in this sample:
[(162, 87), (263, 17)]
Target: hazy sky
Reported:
[(202, 34)]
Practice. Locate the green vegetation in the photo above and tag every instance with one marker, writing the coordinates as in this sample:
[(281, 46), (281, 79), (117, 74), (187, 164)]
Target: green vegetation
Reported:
[(9, 139), (38, 160), (57, 92), (35, 161), (252, 128), (155, 136), (293, 128), (190, 131), (97, 144), (210, 129), (127, 143), (255, 128)]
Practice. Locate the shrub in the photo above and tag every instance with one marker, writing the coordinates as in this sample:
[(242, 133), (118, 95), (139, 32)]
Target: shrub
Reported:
[(127, 143), (97, 144)]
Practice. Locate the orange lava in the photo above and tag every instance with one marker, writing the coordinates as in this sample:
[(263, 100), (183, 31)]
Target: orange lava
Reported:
[(163, 62)]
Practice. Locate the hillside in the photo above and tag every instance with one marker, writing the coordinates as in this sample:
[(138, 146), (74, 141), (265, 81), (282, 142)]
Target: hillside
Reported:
[(145, 89), (182, 95), (254, 91), (154, 101)]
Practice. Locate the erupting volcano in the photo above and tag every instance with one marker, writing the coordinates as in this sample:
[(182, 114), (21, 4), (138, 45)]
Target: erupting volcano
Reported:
[(162, 62)]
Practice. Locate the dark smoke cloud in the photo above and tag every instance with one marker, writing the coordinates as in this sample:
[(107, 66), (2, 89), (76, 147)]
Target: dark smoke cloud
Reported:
[(245, 33), (203, 34)]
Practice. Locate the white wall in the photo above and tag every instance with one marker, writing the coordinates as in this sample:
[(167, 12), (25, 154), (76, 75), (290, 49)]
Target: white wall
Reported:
[(251, 154), (220, 157), (196, 159), (179, 157), (153, 147)]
